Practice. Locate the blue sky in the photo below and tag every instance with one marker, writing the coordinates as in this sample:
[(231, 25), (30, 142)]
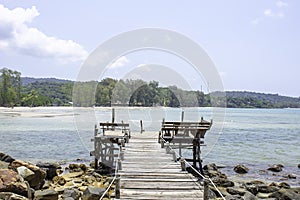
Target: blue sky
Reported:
[(255, 44)]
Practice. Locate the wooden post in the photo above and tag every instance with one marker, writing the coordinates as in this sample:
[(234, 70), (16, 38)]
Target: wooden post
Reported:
[(118, 187), (159, 136), (168, 149), (141, 124), (182, 116), (119, 164), (174, 155), (95, 147), (113, 116), (162, 144), (206, 188), (182, 163), (122, 143)]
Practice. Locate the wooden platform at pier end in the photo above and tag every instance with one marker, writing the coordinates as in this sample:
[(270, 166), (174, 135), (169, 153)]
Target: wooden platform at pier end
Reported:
[(148, 172)]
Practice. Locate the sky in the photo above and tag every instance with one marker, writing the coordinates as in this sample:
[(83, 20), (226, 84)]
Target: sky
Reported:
[(254, 45)]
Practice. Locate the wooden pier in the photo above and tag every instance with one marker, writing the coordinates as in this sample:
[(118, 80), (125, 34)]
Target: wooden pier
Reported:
[(148, 172), (146, 165)]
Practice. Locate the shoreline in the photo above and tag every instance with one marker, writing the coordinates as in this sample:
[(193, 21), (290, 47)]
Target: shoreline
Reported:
[(79, 178)]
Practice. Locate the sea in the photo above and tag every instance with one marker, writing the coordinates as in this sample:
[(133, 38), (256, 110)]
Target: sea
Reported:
[(257, 138)]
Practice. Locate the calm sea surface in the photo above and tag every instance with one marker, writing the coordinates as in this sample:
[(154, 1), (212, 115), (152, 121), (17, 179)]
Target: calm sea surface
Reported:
[(256, 137)]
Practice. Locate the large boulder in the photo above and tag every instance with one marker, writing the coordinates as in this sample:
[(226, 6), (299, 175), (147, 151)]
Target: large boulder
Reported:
[(45, 195), (93, 193), (39, 175), (11, 181), (50, 168), (26, 173), (6, 158), (241, 169)]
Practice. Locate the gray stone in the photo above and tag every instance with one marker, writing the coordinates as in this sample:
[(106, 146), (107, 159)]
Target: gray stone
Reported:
[(241, 169), (221, 182), (71, 193), (298, 165), (45, 195), (284, 185), (26, 173), (92, 193)]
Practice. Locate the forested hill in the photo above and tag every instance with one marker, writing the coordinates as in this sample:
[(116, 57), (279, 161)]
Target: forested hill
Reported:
[(28, 80), (246, 99), (17, 91)]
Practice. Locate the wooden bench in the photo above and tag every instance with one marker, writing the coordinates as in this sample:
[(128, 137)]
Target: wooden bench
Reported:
[(184, 132)]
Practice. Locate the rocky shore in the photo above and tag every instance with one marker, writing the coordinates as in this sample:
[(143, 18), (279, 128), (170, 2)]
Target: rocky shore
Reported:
[(20, 180), (250, 189)]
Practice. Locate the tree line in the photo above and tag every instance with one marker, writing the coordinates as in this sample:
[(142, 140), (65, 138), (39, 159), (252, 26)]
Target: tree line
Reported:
[(111, 92)]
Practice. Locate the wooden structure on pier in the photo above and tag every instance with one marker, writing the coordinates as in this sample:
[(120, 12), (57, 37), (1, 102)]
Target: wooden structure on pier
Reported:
[(105, 148), (148, 172), (183, 135)]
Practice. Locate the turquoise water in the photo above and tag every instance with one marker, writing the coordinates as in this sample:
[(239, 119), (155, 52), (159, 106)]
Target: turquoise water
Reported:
[(250, 136)]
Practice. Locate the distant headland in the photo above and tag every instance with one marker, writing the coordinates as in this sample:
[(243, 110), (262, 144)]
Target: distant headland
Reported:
[(24, 91)]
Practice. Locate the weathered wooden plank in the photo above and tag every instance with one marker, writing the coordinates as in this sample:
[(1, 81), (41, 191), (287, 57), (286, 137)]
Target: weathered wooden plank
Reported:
[(149, 173)]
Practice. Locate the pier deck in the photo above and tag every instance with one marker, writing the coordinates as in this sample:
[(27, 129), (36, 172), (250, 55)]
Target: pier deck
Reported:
[(148, 172)]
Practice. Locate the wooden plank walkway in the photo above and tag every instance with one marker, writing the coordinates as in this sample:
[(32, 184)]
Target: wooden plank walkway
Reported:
[(149, 173)]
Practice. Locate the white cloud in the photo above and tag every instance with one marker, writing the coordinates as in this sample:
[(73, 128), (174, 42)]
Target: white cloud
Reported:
[(268, 13), (17, 35), (281, 4), (120, 62)]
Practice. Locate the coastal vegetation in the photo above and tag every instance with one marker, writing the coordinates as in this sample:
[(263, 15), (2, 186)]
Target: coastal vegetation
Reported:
[(22, 91)]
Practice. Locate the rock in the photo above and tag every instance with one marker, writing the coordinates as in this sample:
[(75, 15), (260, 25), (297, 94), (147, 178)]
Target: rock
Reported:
[(266, 189), (50, 168), (46, 185), (11, 196), (286, 194), (263, 195), (236, 191), (223, 182), (6, 158), (71, 193), (26, 173), (11, 181), (39, 174), (92, 193), (83, 167), (72, 175), (298, 165), (241, 169), (60, 189), (59, 180), (45, 195), (3, 165), (276, 168), (284, 185), (290, 176), (249, 196), (211, 166)]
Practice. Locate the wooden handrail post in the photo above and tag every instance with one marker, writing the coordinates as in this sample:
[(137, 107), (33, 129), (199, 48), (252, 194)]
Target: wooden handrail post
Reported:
[(206, 188), (119, 164), (118, 187), (162, 144), (182, 163), (174, 155)]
